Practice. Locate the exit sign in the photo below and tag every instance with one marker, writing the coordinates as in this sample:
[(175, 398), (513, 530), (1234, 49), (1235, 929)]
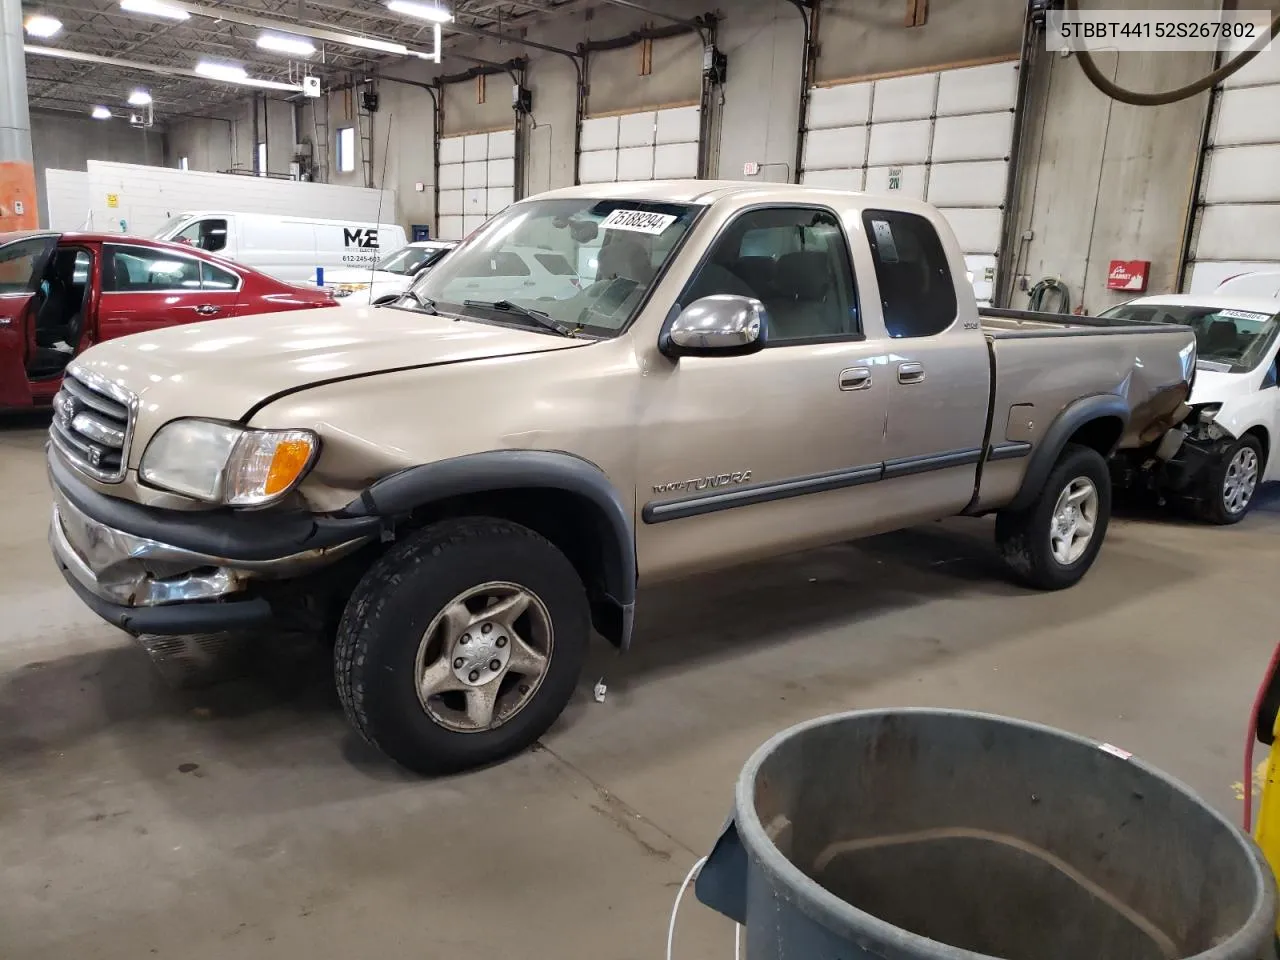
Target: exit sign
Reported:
[(750, 169)]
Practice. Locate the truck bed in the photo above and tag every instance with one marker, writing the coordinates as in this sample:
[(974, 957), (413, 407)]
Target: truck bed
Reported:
[(999, 324)]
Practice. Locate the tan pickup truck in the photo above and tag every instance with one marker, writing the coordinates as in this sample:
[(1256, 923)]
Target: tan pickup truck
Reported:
[(463, 483)]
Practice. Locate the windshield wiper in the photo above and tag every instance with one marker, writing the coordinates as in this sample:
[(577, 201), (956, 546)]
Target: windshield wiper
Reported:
[(425, 303), (541, 318)]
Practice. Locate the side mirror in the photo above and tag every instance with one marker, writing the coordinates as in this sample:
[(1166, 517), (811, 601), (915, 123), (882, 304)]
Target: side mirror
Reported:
[(720, 325), (386, 298)]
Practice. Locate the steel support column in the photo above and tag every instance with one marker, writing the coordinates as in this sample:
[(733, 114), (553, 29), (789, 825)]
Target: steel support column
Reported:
[(18, 208)]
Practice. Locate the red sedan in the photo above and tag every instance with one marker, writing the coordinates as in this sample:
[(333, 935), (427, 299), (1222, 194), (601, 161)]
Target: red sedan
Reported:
[(60, 293)]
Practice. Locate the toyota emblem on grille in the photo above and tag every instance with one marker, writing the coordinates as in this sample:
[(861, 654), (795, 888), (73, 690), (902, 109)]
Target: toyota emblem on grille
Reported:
[(66, 410)]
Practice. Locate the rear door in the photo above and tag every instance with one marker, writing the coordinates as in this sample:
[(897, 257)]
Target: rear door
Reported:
[(149, 288), (22, 265), (938, 372)]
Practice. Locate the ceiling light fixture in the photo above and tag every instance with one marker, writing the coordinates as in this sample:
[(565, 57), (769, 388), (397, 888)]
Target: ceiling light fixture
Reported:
[(384, 46), (423, 11), (155, 8), (101, 113), (284, 43), (43, 27), (139, 98), (230, 72)]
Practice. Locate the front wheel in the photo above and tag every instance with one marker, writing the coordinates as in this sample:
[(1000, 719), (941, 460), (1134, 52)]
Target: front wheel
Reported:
[(1233, 482), (462, 645), (1053, 543)]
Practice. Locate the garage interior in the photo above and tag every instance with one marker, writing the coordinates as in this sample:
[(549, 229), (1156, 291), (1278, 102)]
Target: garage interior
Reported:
[(244, 817)]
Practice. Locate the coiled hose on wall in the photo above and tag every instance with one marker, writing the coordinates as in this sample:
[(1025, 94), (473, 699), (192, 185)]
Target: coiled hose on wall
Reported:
[(1043, 289), (1090, 68)]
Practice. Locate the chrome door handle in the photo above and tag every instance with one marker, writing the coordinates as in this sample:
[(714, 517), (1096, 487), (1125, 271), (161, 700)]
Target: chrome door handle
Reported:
[(5, 321), (855, 378), (207, 310), (910, 372)]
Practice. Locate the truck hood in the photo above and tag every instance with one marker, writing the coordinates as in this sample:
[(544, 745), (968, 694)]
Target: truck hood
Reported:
[(224, 368)]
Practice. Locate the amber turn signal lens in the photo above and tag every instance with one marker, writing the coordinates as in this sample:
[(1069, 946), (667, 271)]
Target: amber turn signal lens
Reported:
[(287, 463)]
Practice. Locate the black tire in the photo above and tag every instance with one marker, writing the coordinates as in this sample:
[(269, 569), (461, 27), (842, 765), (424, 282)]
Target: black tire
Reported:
[(396, 601), (1023, 536), (1213, 508)]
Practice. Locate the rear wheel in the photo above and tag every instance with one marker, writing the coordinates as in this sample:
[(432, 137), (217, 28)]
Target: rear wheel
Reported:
[(1053, 543), (462, 645), (1233, 482)]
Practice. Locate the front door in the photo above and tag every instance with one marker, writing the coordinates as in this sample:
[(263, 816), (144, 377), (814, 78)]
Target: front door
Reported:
[(749, 456), (22, 265), (938, 371), (149, 288)]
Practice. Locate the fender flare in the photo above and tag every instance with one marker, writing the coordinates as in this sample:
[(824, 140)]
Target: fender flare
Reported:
[(400, 493), (1076, 415)]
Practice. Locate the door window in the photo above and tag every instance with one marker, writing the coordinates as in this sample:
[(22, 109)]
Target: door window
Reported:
[(216, 278), (917, 293), (22, 264), (208, 235), (796, 262), (146, 270)]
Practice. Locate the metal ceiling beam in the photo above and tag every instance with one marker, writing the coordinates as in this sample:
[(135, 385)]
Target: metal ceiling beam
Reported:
[(632, 5), (499, 35), (94, 58)]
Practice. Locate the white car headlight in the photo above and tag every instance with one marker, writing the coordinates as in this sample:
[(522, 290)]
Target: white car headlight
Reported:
[(344, 290), (223, 463)]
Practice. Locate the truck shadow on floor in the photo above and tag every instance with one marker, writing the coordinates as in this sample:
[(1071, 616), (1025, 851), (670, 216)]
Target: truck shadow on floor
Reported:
[(284, 705)]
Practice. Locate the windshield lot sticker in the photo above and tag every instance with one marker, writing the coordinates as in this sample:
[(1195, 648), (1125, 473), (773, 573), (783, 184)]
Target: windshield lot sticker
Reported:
[(1245, 315), (638, 221)]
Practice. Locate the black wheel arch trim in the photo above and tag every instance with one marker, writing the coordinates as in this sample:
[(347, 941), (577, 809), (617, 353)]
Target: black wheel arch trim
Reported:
[(400, 493), (1046, 452)]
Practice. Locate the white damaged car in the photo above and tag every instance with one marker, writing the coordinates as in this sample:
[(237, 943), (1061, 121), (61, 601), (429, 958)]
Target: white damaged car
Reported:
[(1227, 441)]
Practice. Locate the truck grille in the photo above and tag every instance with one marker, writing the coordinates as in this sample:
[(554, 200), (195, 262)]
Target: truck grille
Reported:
[(92, 425)]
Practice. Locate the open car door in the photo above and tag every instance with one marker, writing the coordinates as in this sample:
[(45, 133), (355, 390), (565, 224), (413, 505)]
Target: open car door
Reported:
[(23, 259)]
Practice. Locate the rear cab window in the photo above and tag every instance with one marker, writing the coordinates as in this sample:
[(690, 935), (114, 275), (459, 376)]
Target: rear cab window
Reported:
[(917, 291)]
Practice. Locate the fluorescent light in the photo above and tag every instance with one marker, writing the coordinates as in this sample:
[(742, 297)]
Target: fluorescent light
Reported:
[(283, 43), (43, 27), (155, 8), (139, 98), (230, 72), (101, 113), (422, 11), (368, 43)]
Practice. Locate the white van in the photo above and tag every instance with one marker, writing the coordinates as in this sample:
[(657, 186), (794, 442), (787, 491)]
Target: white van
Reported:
[(287, 248)]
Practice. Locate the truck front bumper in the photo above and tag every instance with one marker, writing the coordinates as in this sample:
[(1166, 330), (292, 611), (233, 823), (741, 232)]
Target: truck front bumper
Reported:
[(172, 572)]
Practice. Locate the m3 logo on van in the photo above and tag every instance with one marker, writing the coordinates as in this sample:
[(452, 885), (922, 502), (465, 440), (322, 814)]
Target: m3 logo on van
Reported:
[(364, 239)]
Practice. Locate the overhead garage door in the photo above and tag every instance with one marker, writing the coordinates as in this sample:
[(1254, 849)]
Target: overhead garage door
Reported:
[(944, 136), (477, 179), (647, 145), (1238, 221)]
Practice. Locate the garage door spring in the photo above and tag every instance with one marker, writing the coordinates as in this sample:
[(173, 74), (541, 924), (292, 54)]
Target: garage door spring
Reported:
[(1115, 92)]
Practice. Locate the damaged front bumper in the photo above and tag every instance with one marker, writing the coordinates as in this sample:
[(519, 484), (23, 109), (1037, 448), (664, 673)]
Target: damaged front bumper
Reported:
[(170, 572), (1181, 467)]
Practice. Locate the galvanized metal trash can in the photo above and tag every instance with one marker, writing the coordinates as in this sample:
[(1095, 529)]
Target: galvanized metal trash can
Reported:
[(905, 834)]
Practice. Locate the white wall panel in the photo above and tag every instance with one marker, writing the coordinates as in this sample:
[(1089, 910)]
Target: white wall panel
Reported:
[(982, 89), (498, 199), (598, 166), (672, 161), (1247, 115), (1264, 68), (833, 179), (1243, 174), (600, 133), (68, 199), (979, 184), (452, 228), (1239, 232), (904, 98), (475, 173), (906, 142), (835, 148), (679, 125), (475, 202), (911, 180), (475, 146), (635, 163), (977, 228), (451, 177), (472, 224), (636, 129), (978, 136), (839, 106), (451, 150), (1206, 275), (500, 173), (502, 145)]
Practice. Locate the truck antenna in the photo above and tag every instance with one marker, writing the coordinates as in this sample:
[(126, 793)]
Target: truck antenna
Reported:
[(382, 180)]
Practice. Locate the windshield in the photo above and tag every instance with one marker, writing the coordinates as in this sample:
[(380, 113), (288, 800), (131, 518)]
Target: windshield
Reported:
[(170, 225), (1237, 340), (409, 260), (586, 263)]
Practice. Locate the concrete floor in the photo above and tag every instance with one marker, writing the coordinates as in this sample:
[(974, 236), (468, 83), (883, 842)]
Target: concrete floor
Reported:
[(245, 820)]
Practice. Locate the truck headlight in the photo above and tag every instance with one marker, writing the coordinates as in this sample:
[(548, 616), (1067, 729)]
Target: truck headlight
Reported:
[(222, 463)]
